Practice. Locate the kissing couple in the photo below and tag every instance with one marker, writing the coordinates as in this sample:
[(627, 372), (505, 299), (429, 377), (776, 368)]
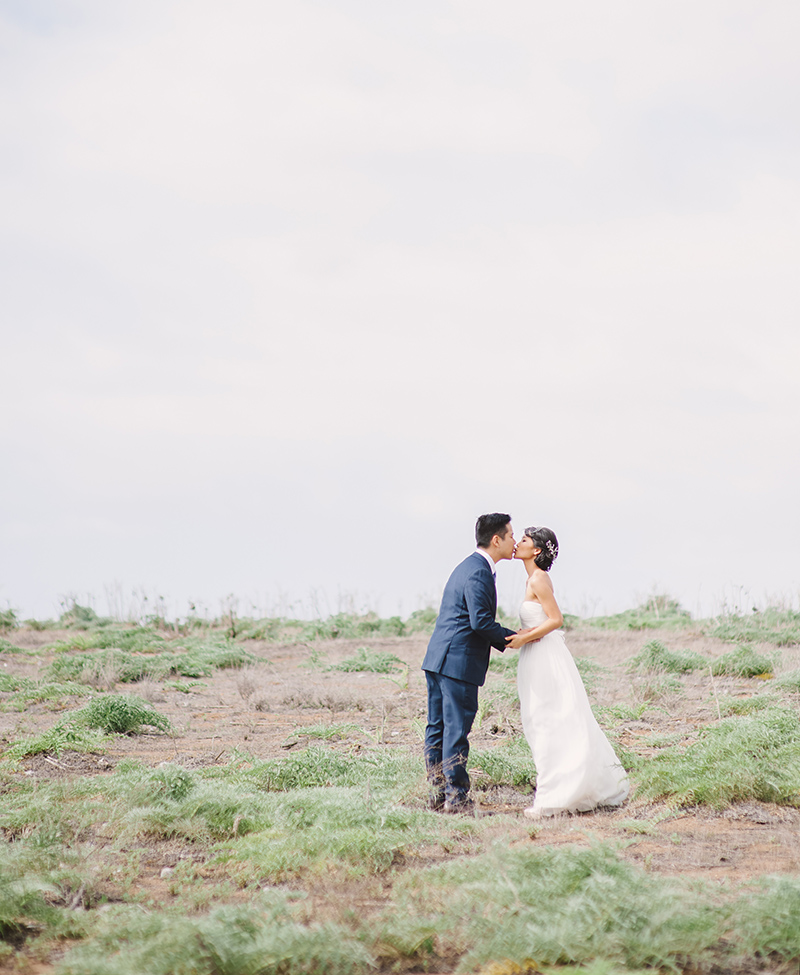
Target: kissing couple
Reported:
[(576, 767)]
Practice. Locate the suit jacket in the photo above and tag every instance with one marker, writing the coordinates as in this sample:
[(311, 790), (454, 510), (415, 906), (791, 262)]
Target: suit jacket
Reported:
[(466, 628)]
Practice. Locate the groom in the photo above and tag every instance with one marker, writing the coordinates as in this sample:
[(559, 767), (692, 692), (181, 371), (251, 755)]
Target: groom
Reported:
[(457, 659)]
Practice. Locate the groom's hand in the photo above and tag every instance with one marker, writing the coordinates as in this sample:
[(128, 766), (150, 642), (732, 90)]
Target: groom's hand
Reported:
[(519, 639)]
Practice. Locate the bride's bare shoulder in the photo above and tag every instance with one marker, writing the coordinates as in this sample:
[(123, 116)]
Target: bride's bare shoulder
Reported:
[(540, 582)]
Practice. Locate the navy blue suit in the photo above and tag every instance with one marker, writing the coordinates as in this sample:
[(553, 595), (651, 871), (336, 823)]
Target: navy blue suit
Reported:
[(455, 667)]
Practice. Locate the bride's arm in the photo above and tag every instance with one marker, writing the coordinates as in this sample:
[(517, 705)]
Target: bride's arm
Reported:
[(543, 590)]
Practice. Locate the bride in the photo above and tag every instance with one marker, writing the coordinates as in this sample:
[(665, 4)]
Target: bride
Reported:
[(576, 768)]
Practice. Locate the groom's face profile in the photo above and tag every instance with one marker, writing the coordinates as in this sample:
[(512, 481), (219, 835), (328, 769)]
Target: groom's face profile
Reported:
[(505, 544)]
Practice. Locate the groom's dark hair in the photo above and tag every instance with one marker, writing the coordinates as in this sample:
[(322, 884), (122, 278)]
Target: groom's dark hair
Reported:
[(487, 526)]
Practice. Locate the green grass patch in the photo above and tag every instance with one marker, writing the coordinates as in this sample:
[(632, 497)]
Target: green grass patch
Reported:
[(105, 667), (371, 661), (505, 663), (755, 756), (789, 681), (591, 672), (6, 646), (86, 730), (9, 684), (331, 732), (742, 662), (557, 906), (253, 939), (507, 764), (767, 920), (25, 905), (655, 657), (780, 627), (121, 714), (316, 766), (310, 831), (349, 626), (62, 737), (24, 691), (657, 612), (746, 705)]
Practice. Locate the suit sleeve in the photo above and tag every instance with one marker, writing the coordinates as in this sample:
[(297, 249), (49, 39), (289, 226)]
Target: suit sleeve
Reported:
[(480, 605)]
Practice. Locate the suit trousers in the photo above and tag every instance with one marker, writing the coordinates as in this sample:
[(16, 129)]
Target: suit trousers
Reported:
[(452, 706)]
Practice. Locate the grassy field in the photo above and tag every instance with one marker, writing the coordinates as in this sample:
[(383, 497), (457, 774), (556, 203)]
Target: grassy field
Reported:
[(247, 797)]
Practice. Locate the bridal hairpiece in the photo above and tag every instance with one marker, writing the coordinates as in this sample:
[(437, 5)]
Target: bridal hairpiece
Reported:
[(552, 550)]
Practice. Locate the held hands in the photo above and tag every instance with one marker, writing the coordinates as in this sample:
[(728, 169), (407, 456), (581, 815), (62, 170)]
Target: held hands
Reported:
[(520, 639)]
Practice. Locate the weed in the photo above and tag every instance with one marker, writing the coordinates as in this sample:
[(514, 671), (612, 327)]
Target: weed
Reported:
[(60, 738), (756, 756), (8, 620), (742, 662), (30, 691), (655, 657), (121, 714), (246, 686), (421, 621), (373, 661), (330, 732), (310, 830), (618, 713)]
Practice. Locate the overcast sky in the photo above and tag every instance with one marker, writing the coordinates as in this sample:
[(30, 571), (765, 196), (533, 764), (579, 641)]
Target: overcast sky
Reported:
[(292, 292)]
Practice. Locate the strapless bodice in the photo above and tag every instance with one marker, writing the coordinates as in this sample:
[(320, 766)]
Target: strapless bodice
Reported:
[(531, 614)]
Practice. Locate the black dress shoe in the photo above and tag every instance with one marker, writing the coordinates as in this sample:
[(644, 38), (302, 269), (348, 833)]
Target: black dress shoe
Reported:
[(456, 807)]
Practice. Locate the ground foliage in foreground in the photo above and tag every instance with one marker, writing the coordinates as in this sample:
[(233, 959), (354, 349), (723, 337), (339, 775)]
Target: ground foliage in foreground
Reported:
[(495, 901), (754, 755), (353, 812)]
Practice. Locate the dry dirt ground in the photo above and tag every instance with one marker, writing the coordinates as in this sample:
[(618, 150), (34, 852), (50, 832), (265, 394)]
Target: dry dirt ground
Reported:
[(263, 710)]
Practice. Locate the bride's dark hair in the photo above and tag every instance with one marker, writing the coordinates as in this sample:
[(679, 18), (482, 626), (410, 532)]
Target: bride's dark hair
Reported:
[(546, 540)]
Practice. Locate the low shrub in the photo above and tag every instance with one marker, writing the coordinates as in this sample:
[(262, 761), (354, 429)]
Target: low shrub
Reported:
[(655, 657)]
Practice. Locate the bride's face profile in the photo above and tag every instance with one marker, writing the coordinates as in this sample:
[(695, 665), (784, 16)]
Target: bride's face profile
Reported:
[(526, 548)]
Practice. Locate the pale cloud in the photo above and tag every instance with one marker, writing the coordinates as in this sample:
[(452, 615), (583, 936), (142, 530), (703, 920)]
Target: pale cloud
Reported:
[(412, 262)]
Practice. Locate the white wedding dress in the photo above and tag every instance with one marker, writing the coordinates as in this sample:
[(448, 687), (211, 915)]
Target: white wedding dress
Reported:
[(576, 768)]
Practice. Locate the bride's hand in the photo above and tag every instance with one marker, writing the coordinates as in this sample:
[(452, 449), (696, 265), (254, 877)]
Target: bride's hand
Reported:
[(519, 640)]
